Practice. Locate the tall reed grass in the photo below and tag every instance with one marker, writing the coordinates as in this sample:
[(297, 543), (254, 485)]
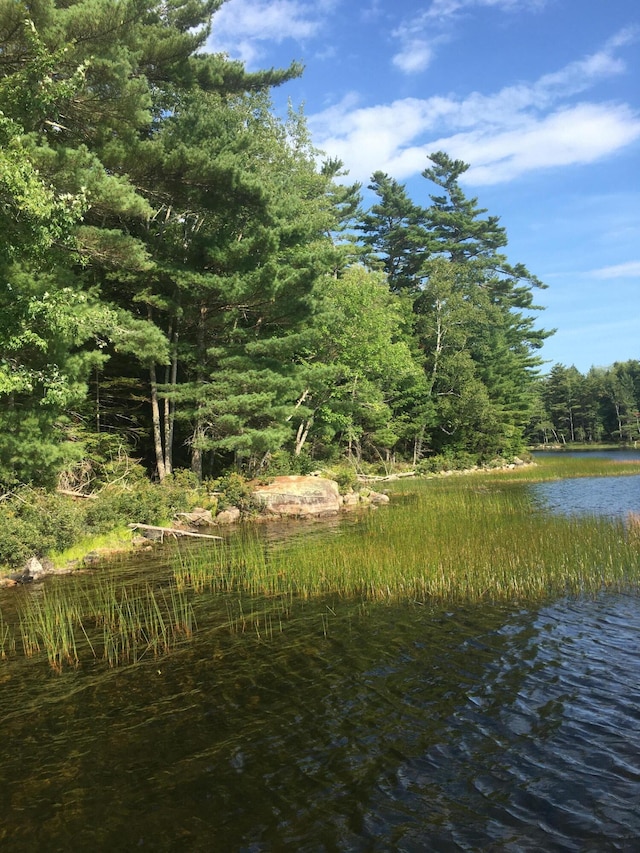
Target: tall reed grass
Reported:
[(459, 539), (116, 623)]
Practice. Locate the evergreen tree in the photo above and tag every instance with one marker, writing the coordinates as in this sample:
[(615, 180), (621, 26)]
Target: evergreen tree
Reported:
[(394, 234), (492, 305), (85, 91)]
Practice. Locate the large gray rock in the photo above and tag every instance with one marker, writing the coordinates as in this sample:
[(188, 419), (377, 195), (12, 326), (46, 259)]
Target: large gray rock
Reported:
[(299, 496)]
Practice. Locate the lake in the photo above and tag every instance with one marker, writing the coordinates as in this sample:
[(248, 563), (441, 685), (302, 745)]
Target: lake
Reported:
[(356, 727)]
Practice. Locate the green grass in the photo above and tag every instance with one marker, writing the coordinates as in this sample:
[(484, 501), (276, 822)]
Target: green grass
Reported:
[(447, 540), (117, 540), (118, 623), (456, 539)]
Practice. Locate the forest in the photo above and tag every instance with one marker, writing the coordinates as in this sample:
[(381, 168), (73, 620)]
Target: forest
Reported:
[(602, 405), (186, 281)]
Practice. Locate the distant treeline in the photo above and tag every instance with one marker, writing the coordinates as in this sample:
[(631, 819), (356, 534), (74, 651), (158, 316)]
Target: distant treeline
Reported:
[(184, 280), (600, 406)]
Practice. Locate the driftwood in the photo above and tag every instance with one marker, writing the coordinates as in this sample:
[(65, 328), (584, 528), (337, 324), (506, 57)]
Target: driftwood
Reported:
[(372, 478), (73, 494), (172, 531)]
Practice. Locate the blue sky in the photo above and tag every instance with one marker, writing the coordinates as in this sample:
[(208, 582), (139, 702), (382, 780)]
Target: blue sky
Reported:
[(540, 97)]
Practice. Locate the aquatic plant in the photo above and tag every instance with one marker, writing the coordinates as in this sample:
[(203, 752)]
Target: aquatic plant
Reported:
[(450, 539), (118, 623), (7, 638)]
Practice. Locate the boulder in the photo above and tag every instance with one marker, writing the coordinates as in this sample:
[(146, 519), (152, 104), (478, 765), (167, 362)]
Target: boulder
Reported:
[(34, 569), (198, 517), (299, 496), (228, 516), (377, 498)]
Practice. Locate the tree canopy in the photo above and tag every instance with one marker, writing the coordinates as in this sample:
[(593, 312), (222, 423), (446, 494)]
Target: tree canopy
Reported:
[(182, 270)]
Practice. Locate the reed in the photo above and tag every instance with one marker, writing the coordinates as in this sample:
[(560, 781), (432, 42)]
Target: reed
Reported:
[(51, 623), (118, 623), (7, 638), (457, 539)]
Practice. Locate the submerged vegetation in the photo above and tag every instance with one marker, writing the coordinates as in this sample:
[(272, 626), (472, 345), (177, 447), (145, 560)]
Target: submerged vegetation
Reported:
[(113, 622), (447, 540)]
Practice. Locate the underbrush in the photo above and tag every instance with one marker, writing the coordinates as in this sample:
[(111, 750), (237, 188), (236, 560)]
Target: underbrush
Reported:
[(41, 523)]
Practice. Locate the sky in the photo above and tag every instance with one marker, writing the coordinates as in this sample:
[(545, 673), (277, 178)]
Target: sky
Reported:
[(540, 97)]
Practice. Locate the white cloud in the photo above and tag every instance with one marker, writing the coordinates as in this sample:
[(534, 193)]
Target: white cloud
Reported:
[(509, 133), (420, 35), (626, 270), (415, 56), (240, 27), (443, 9)]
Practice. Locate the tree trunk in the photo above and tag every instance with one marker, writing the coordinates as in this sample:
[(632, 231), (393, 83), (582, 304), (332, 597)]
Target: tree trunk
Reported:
[(169, 402), (301, 435), (198, 430), (157, 431)]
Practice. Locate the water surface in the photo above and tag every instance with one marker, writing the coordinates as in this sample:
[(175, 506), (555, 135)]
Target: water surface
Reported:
[(402, 728), (339, 726)]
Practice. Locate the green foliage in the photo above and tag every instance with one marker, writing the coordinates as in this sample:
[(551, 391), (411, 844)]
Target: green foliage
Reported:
[(345, 475), (448, 461), (237, 492), (35, 522), (284, 463), (603, 405)]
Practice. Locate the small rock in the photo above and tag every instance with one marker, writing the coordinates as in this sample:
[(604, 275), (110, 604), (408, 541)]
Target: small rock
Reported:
[(350, 499), (378, 498)]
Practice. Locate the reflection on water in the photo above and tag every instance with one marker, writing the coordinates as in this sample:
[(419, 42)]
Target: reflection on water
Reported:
[(404, 728), (604, 496)]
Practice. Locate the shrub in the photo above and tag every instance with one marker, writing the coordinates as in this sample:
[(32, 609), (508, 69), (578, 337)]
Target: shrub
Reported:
[(282, 463), (235, 492), (460, 461), (345, 476), (35, 522)]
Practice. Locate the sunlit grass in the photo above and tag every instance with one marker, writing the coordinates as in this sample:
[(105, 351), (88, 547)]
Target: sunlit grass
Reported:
[(471, 539), (459, 539), (117, 540), (109, 621)]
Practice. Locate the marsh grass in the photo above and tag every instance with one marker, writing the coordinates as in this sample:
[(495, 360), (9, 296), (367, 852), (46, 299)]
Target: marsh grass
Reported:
[(457, 539), (449, 540), (109, 621), (7, 638)]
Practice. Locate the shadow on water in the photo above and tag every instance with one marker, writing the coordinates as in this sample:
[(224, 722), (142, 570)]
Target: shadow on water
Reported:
[(334, 726), (403, 728)]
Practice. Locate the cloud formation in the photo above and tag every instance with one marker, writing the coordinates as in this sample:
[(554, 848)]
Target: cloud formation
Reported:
[(516, 130), (630, 269), (420, 35), (242, 27)]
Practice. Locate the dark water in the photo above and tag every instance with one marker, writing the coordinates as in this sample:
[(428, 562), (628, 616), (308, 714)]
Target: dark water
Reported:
[(341, 728), (398, 729)]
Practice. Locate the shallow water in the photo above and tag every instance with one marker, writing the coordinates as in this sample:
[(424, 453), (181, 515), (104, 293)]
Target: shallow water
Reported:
[(615, 497), (338, 726), (403, 728)]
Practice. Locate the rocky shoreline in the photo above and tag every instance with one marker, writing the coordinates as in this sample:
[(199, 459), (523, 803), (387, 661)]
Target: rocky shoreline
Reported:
[(286, 497)]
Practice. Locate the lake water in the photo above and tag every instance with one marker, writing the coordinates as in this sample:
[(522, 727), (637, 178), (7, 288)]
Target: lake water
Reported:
[(380, 729)]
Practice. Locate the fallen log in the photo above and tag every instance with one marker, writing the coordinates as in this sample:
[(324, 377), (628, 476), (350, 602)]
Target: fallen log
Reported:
[(73, 494), (171, 531), (374, 478)]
